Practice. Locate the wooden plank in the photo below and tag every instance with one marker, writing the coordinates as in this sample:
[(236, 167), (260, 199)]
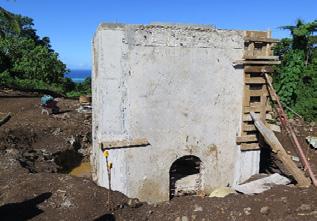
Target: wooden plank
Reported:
[(246, 138), (255, 80), (258, 69), (281, 154), (247, 109), (256, 34), (263, 107), (247, 117), (261, 39), (251, 127), (117, 144), (246, 93), (257, 62), (248, 127), (274, 58), (249, 146), (261, 92), (273, 127), (5, 119)]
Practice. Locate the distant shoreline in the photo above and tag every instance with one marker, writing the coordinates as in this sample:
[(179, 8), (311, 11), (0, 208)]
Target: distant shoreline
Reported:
[(78, 75)]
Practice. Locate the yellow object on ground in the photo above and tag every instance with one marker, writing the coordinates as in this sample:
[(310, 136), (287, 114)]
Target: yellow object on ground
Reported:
[(222, 192)]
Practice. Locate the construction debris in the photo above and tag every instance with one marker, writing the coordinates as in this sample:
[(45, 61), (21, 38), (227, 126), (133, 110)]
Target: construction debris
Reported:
[(263, 184), (312, 141), (86, 109), (284, 121), (281, 154)]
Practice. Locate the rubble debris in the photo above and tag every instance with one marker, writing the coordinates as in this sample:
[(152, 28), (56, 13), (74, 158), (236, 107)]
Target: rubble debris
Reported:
[(291, 131), (263, 184), (265, 210), (87, 109), (281, 153), (312, 141)]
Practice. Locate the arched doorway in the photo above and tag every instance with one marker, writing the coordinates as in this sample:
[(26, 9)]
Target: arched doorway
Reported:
[(185, 176)]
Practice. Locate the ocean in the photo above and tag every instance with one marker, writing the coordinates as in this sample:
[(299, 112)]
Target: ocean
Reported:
[(78, 76)]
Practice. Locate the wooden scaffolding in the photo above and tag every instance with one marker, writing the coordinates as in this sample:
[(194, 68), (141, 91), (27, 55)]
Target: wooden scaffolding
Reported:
[(258, 59)]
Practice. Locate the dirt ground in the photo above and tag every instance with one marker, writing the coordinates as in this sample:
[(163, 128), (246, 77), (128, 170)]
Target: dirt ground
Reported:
[(39, 152)]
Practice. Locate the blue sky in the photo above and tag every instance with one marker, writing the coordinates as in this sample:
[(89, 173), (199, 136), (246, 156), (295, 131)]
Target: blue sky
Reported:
[(70, 24)]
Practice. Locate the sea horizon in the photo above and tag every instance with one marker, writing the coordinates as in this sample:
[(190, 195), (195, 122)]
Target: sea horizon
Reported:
[(78, 75)]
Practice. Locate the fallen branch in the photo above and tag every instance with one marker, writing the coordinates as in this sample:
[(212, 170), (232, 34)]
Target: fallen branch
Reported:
[(5, 119), (281, 154)]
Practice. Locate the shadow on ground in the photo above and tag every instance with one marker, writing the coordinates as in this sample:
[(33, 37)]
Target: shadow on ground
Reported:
[(24, 210), (106, 217)]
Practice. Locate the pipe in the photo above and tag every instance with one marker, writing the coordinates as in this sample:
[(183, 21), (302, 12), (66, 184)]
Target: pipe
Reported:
[(290, 130)]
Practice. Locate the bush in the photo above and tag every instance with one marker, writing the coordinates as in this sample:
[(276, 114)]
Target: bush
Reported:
[(296, 78)]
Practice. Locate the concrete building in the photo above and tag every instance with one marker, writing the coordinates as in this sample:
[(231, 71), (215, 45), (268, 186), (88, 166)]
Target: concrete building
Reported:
[(167, 103)]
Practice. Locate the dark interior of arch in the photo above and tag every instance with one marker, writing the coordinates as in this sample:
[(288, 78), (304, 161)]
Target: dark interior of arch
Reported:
[(182, 167)]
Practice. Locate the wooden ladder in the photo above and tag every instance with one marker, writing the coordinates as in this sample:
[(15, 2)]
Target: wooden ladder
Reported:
[(258, 59)]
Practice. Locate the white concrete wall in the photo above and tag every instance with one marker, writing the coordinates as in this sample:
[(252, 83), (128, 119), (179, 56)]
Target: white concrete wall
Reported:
[(177, 87)]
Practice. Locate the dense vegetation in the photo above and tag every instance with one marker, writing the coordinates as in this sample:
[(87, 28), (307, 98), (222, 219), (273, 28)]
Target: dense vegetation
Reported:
[(29, 62), (296, 78)]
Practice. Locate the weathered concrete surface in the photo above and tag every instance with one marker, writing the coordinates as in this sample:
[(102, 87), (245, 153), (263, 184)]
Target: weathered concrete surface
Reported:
[(177, 87)]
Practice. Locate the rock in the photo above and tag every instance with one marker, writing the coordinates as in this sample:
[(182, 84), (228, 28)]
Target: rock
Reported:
[(57, 131), (304, 207), (284, 199), (265, 210), (184, 218), (263, 184), (14, 153), (134, 203), (294, 158), (197, 208), (120, 206), (222, 192), (66, 116), (150, 211), (312, 141), (247, 211), (66, 204)]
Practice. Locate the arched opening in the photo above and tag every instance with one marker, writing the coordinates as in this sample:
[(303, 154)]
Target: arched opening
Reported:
[(185, 177)]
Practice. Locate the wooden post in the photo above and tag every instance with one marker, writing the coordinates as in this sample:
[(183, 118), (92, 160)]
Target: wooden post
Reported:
[(5, 119), (282, 155)]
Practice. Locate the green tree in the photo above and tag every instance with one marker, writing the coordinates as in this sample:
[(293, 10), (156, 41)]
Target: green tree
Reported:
[(27, 60), (9, 24), (303, 37), (296, 77)]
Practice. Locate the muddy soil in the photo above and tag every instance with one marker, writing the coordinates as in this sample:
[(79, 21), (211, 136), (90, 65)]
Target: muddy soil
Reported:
[(41, 142), (37, 153)]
